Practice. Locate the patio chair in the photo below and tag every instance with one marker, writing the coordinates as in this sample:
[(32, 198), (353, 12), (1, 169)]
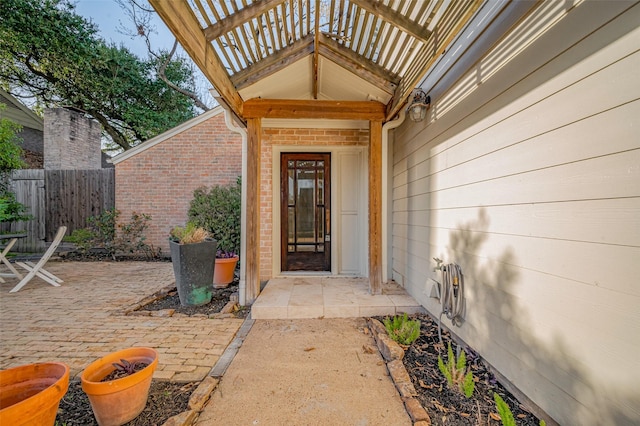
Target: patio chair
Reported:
[(38, 268)]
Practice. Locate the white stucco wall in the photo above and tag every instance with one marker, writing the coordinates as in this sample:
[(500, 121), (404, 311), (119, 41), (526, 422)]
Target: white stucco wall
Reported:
[(527, 174)]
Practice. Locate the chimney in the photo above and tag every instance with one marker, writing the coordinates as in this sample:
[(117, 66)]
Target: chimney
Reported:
[(71, 140)]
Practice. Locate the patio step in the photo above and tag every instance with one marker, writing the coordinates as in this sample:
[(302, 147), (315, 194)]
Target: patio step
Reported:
[(329, 297)]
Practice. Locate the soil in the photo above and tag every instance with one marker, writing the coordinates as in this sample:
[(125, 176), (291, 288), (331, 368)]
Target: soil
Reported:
[(165, 400), (219, 298), (450, 407)]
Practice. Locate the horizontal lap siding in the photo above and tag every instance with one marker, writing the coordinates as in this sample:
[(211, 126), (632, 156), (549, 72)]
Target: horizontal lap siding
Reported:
[(531, 182)]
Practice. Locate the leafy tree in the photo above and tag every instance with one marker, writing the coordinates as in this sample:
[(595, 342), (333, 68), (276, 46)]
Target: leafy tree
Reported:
[(49, 53), (10, 159)]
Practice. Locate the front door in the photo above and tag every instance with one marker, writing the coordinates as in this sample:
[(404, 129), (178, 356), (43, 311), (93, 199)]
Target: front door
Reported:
[(305, 208)]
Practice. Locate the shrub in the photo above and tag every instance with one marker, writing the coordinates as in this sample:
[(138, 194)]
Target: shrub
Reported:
[(218, 211), (115, 238), (402, 329), (454, 371)]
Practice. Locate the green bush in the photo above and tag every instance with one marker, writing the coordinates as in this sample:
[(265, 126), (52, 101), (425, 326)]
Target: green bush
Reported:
[(104, 232), (402, 329), (454, 371), (218, 211)]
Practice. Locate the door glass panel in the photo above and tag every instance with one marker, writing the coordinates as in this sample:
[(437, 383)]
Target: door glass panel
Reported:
[(306, 187)]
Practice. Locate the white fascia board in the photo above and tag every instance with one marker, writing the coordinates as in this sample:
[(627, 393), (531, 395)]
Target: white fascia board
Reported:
[(489, 24), (168, 134)]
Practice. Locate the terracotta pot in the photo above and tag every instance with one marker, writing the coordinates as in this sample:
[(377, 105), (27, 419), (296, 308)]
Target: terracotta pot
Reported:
[(223, 271), (118, 401), (30, 394)]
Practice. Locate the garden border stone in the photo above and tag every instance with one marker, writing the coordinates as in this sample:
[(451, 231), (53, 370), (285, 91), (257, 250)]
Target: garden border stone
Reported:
[(393, 353)]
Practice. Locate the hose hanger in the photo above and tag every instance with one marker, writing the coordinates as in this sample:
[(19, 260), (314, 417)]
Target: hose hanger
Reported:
[(452, 295)]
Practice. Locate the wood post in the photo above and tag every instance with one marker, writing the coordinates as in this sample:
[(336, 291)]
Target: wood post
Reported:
[(375, 206), (254, 136)]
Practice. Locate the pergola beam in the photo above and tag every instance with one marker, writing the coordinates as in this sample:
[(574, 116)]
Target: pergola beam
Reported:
[(184, 25), (394, 18), (273, 63), (313, 109), (238, 18), (360, 66)]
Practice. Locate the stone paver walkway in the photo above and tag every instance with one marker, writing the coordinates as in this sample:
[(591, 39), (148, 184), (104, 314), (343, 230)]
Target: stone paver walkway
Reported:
[(84, 319)]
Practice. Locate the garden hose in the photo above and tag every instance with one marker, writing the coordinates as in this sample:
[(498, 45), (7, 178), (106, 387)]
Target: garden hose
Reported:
[(451, 296)]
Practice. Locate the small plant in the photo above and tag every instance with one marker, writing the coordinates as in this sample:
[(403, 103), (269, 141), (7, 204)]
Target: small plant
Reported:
[(128, 368), (189, 234), (222, 254), (506, 416), (402, 329), (456, 373)]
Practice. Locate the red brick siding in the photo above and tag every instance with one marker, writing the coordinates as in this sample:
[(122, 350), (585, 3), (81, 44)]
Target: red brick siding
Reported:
[(292, 137), (160, 180)]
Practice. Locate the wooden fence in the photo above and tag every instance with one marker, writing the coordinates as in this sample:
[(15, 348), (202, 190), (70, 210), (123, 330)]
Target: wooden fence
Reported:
[(59, 197)]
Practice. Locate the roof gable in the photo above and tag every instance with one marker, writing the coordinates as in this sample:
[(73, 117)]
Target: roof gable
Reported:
[(167, 135)]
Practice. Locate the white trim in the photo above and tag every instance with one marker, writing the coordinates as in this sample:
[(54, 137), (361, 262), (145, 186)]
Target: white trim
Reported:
[(168, 134), (335, 188)]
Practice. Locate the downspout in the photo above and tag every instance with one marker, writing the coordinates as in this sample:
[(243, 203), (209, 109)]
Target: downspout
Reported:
[(386, 190), (242, 286)]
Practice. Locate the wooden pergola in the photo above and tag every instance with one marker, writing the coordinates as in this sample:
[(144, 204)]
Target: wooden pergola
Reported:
[(315, 59)]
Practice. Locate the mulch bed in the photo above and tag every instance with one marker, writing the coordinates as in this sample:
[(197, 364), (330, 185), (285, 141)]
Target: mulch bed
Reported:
[(165, 400), (219, 298), (450, 407)]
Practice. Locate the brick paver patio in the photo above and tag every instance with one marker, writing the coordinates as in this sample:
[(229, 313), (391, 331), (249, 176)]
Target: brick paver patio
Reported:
[(84, 319)]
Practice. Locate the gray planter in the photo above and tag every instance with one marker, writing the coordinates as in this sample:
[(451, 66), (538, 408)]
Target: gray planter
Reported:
[(193, 266)]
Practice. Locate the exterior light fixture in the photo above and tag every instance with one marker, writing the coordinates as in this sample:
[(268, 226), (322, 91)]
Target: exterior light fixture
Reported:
[(419, 105)]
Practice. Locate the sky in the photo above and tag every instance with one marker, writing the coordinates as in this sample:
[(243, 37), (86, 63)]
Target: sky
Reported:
[(108, 16)]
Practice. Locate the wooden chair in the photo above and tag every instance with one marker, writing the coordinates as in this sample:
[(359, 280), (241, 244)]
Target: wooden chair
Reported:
[(38, 268)]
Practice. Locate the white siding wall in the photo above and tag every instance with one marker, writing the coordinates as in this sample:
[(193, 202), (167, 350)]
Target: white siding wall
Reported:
[(527, 174)]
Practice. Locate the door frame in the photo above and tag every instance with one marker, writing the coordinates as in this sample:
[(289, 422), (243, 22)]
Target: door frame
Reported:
[(277, 150)]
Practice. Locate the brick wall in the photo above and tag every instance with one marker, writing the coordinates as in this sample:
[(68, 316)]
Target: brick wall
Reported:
[(160, 180), (71, 141), (323, 138)]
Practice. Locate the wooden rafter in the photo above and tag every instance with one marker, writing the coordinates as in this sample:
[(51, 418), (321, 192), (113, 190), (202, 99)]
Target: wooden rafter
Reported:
[(238, 18), (359, 65), (394, 18), (274, 63), (182, 22)]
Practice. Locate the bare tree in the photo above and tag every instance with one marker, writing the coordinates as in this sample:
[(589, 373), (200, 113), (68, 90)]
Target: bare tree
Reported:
[(141, 15)]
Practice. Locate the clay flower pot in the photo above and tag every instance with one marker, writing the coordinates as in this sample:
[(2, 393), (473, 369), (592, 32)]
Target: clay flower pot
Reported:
[(119, 401), (223, 271), (30, 394)]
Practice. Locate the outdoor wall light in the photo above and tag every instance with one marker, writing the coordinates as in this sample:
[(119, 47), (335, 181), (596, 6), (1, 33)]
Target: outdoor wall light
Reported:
[(419, 105)]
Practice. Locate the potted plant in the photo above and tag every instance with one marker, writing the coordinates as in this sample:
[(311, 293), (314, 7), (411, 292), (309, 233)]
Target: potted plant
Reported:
[(193, 255), (218, 211), (223, 273), (117, 400), (30, 394)]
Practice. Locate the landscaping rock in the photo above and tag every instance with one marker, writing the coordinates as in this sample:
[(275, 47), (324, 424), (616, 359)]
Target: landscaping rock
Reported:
[(201, 395), (186, 418)]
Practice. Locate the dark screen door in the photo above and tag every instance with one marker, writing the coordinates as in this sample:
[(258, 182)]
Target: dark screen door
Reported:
[(305, 207)]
